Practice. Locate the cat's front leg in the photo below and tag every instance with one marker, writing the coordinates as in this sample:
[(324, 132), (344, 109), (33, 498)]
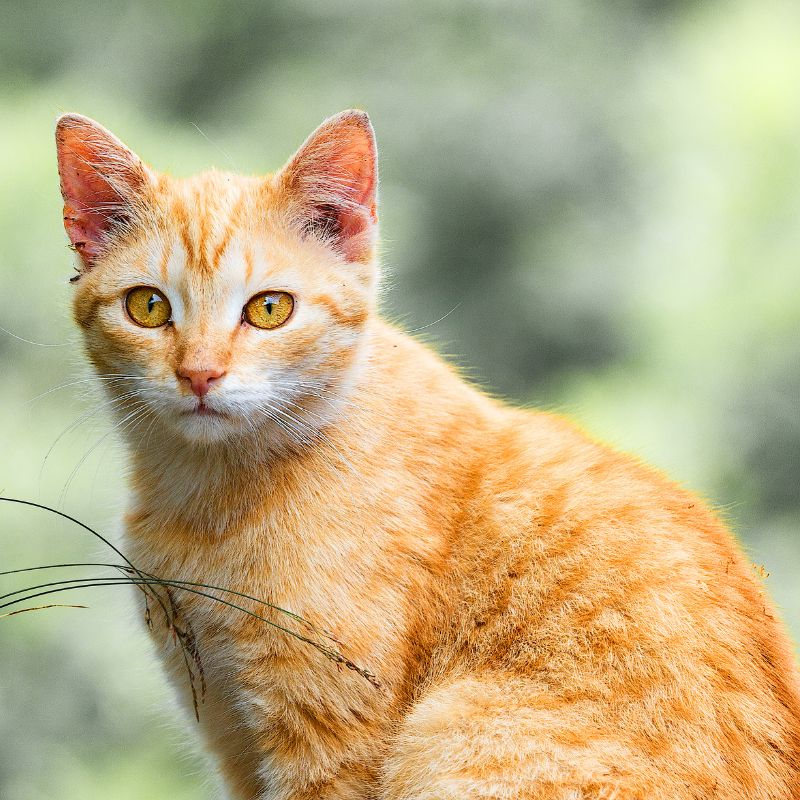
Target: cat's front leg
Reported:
[(353, 782), (494, 737), (327, 741)]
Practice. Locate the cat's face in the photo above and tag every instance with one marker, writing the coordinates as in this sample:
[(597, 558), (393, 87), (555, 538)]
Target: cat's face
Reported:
[(222, 304)]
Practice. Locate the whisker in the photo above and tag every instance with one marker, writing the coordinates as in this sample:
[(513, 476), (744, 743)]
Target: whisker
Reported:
[(86, 415), (30, 341), (93, 379), (122, 426)]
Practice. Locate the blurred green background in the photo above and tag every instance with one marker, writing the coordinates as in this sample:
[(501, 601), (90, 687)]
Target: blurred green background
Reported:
[(617, 182)]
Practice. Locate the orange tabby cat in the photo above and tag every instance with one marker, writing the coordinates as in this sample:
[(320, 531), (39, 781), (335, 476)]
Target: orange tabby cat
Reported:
[(546, 618)]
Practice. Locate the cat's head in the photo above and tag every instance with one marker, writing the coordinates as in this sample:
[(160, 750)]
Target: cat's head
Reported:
[(222, 304)]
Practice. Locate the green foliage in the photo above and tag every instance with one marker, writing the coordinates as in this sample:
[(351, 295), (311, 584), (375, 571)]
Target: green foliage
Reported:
[(591, 206)]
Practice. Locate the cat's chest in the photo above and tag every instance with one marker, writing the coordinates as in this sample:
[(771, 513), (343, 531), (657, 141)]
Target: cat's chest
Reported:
[(264, 640), (243, 600)]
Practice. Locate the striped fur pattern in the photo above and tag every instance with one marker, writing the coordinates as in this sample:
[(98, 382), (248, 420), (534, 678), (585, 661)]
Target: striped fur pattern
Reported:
[(548, 619)]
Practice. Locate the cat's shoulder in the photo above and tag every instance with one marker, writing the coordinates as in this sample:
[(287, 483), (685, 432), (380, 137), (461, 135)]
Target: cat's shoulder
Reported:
[(529, 456)]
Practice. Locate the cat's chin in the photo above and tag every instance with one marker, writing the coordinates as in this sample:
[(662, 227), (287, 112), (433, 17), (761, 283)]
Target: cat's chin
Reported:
[(207, 426)]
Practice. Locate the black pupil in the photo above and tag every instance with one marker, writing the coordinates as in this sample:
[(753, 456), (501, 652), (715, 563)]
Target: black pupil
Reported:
[(154, 298), (268, 305)]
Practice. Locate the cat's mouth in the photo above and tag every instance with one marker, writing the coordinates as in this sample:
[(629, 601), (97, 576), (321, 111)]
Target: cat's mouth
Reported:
[(202, 410)]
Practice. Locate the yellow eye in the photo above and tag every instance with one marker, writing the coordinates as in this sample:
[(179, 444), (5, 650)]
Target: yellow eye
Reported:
[(147, 307), (269, 309)]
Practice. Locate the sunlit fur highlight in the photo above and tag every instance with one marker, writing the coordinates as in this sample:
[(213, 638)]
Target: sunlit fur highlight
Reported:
[(548, 619)]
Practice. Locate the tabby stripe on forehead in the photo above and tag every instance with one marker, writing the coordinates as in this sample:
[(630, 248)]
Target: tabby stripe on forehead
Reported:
[(182, 221), (203, 235), (227, 233), (166, 252), (248, 264)]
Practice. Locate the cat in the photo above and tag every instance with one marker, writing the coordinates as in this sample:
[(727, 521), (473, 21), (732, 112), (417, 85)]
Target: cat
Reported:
[(531, 613)]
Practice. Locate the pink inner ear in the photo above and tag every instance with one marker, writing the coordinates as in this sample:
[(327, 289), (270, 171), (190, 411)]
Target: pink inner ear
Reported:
[(358, 163), (334, 175), (98, 176), (85, 230)]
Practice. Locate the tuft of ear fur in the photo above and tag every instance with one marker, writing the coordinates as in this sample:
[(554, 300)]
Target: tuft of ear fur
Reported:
[(332, 184), (101, 180)]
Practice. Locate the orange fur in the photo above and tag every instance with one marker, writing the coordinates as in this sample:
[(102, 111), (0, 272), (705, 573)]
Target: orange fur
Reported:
[(548, 619)]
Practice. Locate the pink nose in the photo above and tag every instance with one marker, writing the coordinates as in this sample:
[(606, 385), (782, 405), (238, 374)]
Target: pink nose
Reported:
[(200, 379)]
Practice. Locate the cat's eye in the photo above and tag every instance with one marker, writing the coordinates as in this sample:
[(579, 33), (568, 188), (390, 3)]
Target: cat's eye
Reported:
[(268, 310), (148, 307)]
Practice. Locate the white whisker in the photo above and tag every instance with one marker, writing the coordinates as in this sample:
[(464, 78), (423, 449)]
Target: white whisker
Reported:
[(133, 416), (30, 341)]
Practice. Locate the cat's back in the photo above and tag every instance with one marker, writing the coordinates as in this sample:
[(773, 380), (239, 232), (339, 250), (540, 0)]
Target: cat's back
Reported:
[(576, 531), (597, 579), (607, 539)]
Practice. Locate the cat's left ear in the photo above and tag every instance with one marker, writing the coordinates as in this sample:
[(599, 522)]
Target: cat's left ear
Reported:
[(101, 183), (332, 184)]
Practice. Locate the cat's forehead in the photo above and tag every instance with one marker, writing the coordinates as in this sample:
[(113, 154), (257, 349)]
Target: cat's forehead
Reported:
[(205, 212), (214, 229), (213, 190)]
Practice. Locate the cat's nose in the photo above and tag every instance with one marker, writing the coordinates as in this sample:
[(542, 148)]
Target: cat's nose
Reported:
[(200, 379)]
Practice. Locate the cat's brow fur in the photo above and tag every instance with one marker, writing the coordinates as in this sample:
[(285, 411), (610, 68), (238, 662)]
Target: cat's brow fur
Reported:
[(548, 619)]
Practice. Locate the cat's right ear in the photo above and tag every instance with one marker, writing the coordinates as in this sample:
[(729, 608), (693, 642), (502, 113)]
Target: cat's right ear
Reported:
[(101, 181)]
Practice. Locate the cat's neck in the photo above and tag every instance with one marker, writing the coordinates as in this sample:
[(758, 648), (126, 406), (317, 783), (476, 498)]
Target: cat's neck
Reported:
[(213, 487)]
